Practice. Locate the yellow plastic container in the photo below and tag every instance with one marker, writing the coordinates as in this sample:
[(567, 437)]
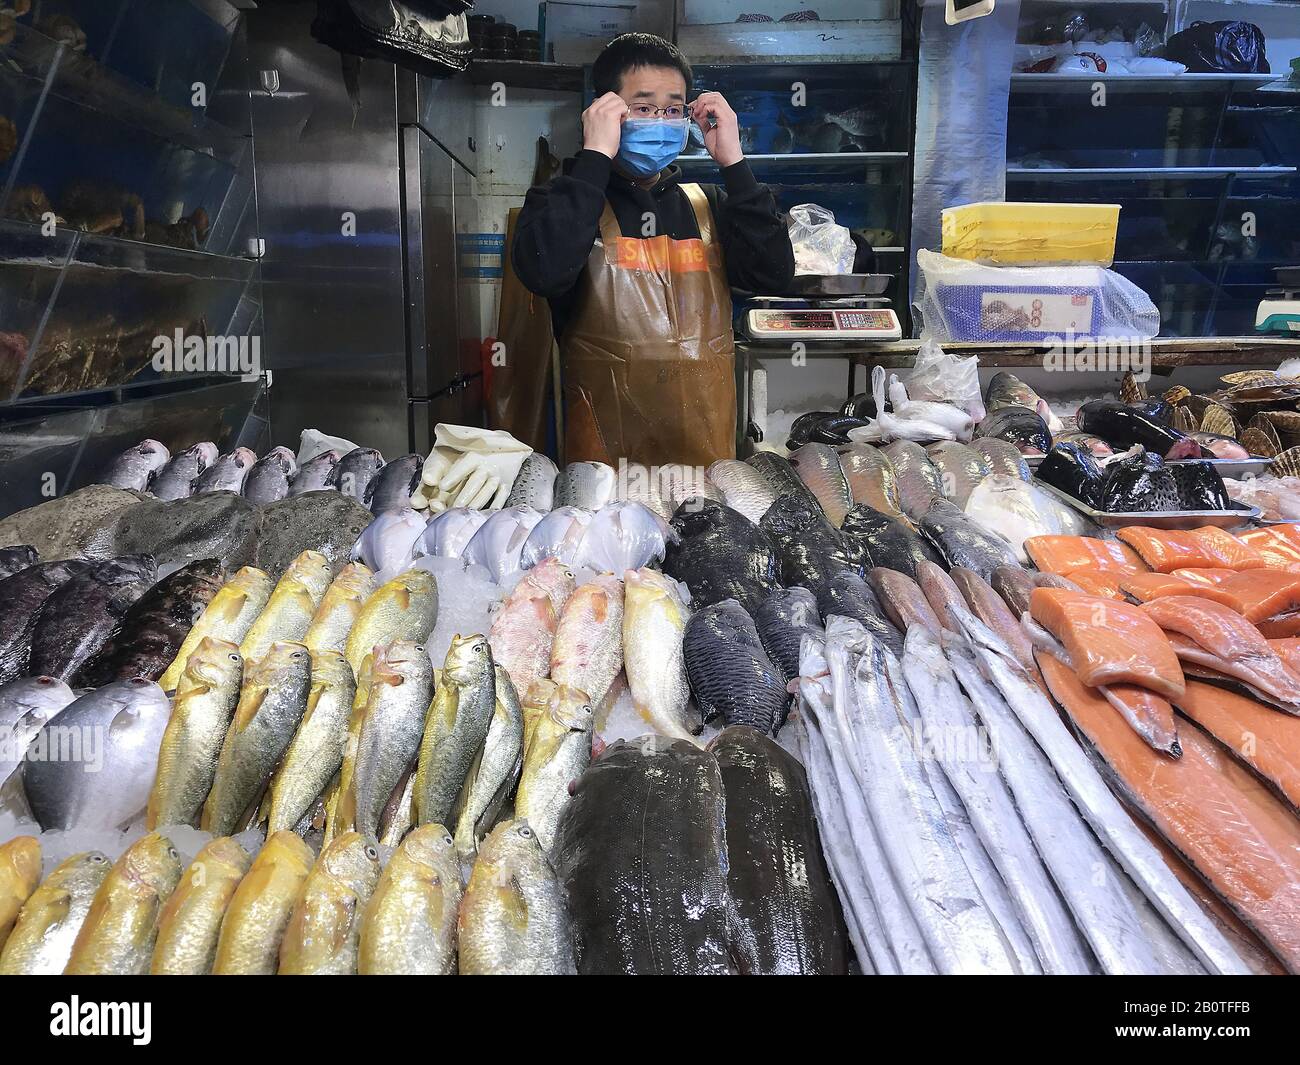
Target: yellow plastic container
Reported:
[(1007, 234)]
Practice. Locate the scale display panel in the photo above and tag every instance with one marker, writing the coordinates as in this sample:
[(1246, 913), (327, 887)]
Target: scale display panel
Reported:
[(850, 323)]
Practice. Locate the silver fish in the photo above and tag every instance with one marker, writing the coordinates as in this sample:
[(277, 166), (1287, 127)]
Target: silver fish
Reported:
[(176, 479), (534, 484), (315, 474), (960, 468), (227, 474), (93, 765), (269, 478), (919, 480), (355, 471), (497, 768), (1098, 805), (447, 534), (1002, 456), (585, 484), (620, 537), (135, 467), (26, 705), (392, 486), (818, 466), (389, 541), (558, 535), (498, 544), (743, 488), (966, 758)]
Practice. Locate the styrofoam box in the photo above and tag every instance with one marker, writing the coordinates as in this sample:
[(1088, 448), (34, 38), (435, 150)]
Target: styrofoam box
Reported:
[(709, 12), (576, 32)]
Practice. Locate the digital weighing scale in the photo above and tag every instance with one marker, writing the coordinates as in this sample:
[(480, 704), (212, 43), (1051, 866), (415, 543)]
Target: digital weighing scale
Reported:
[(836, 307), (1279, 311)]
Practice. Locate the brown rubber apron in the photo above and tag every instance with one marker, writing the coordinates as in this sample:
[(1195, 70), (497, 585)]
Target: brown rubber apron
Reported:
[(649, 357)]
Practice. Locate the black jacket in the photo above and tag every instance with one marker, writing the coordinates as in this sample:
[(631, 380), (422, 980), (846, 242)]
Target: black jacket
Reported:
[(560, 222)]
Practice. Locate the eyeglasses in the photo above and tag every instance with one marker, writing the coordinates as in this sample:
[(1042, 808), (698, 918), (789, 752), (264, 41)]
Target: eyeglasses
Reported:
[(646, 111)]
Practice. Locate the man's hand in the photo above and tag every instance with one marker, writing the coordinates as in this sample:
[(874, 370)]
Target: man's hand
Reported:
[(720, 126), (602, 124)]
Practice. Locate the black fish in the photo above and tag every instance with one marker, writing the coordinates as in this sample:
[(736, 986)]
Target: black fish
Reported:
[(782, 620), (860, 405), (780, 475), (641, 850), (848, 596), (1157, 410), (154, 628), (218, 525), (809, 547), (76, 620), (885, 541), (270, 476), (392, 486), (324, 521), (787, 919), (1122, 426), (1073, 470), (718, 553), (14, 559), (963, 542), (355, 471), (1199, 486), (822, 427), (729, 672), (1141, 483), (1017, 425), (21, 598)]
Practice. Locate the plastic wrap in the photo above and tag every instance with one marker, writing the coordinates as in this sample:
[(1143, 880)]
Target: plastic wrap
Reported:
[(821, 246), (498, 543), (620, 537), (963, 85), (1219, 48), (968, 301), (944, 378)]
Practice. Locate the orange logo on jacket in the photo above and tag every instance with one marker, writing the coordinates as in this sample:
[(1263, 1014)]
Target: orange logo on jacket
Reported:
[(663, 255)]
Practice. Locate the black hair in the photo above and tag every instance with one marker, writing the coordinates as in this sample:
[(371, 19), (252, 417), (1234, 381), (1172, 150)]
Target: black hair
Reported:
[(630, 51)]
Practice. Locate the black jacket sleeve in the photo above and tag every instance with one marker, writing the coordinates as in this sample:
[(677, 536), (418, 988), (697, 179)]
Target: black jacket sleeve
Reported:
[(753, 232), (559, 224)]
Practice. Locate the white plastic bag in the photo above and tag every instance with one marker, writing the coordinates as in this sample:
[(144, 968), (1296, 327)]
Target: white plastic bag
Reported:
[(313, 442), (820, 245), (945, 378)]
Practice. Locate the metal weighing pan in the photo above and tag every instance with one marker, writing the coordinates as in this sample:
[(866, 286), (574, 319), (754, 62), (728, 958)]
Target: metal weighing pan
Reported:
[(1237, 468), (1168, 519), (839, 284)]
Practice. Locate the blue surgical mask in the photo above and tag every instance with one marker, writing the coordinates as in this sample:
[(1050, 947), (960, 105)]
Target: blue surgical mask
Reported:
[(650, 144)]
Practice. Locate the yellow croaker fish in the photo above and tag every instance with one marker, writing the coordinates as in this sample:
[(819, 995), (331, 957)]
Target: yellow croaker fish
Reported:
[(323, 932), (191, 919), (316, 751), (513, 920), (405, 608), (228, 617), (20, 872), (653, 623), (292, 605), (41, 942), (117, 937), (388, 738), (495, 770), (338, 611), (201, 712), (556, 752), (271, 705), (588, 651), (409, 927), (259, 911), (340, 816), (457, 723)]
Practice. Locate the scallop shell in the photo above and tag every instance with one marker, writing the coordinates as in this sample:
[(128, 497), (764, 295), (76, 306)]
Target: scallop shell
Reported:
[(1257, 442), (1131, 390), (1285, 421), (1250, 377), (1176, 394), (1185, 421), (1287, 464), (1263, 425), (1216, 419)]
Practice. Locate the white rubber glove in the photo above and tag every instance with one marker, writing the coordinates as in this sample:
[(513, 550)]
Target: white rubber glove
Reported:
[(473, 467)]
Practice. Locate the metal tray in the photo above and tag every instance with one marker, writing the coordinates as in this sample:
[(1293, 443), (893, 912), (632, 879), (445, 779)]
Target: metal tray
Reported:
[(1236, 468), (1169, 519)]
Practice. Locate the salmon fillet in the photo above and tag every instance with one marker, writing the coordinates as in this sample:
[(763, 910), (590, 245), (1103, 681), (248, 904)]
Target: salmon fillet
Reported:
[(1235, 553), (1105, 583), (1109, 642), (1262, 738), (1061, 554), (1218, 638), (1220, 818), (1259, 594), (1243, 940), (1150, 715), (1166, 550), (1280, 626), (1279, 544), (1143, 587), (1287, 649)]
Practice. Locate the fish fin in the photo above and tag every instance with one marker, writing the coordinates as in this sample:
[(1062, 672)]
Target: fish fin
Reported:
[(513, 903), (232, 606), (248, 708)]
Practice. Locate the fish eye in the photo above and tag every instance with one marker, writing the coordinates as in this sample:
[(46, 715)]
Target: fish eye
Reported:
[(525, 832), (235, 658), (98, 859), (419, 648), (478, 648), (447, 841), (569, 573), (372, 854), (586, 708), (171, 852)]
